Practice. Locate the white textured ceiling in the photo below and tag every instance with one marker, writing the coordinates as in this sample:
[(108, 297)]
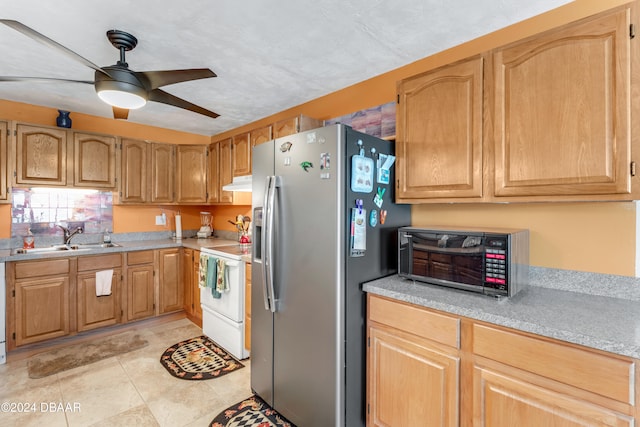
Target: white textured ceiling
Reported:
[(268, 55)]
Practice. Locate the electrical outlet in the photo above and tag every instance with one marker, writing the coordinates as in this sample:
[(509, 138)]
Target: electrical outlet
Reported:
[(161, 219)]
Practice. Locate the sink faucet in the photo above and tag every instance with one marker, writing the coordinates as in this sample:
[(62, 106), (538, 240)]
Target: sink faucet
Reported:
[(69, 234)]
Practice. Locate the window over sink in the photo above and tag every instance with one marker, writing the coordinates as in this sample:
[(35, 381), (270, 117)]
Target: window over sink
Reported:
[(40, 209)]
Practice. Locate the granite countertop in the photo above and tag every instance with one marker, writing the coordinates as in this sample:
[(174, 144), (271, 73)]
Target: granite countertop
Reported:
[(122, 246), (578, 314)]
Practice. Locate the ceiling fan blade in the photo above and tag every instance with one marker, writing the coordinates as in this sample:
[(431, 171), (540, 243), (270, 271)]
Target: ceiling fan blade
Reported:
[(120, 113), (41, 79), (163, 97), (167, 77), (29, 32)]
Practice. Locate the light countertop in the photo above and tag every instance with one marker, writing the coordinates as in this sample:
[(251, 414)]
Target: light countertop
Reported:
[(579, 313), (123, 246)]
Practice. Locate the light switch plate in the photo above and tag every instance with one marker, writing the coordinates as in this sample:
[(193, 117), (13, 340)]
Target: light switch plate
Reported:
[(161, 220)]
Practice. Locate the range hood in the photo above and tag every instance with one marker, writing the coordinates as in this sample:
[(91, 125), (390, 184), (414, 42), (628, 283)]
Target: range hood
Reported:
[(240, 183)]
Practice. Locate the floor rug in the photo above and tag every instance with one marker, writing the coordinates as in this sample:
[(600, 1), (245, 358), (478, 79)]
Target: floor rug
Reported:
[(51, 362), (198, 358), (251, 412)]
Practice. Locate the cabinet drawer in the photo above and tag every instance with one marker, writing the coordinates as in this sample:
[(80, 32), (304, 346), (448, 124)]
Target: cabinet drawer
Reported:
[(98, 262), (139, 257), (415, 320), (27, 269), (607, 376)]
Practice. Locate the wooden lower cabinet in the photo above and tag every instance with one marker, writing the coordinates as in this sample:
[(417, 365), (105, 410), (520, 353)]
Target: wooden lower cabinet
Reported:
[(429, 368), (98, 311), (412, 374), (140, 298), (190, 280), (51, 298), (171, 288), (41, 304), (412, 382), (504, 397)]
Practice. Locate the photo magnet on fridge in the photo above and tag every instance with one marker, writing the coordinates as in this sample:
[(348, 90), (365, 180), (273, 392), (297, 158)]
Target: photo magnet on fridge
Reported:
[(385, 161), (361, 174)]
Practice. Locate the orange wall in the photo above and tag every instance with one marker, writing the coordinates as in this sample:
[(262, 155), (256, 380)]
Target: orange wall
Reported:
[(128, 219)]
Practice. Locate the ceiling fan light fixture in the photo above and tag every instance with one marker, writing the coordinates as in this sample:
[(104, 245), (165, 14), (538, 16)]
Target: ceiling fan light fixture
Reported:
[(121, 94)]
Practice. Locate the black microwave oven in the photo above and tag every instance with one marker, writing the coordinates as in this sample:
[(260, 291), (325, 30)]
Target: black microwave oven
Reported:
[(491, 261)]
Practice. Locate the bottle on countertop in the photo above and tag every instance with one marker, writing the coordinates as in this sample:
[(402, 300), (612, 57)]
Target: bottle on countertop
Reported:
[(28, 241), (106, 237)]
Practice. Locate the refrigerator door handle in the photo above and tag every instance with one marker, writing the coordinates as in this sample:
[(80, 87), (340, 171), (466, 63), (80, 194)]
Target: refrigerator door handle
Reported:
[(270, 196), (264, 245)]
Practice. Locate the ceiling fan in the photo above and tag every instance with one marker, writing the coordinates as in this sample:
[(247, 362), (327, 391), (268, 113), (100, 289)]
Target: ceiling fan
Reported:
[(117, 85)]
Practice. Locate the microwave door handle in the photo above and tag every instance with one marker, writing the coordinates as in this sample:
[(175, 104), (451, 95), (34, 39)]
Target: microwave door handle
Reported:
[(263, 244), (273, 188)]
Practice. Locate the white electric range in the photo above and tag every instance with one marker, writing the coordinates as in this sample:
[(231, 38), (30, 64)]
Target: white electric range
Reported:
[(223, 317)]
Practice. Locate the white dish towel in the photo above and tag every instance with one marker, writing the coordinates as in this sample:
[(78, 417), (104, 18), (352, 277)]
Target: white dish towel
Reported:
[(103, 282)]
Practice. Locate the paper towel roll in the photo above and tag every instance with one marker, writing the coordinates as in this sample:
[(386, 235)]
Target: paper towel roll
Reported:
[(178, 227)]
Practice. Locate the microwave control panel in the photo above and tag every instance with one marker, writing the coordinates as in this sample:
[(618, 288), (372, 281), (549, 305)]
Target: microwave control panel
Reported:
[(495, 263)]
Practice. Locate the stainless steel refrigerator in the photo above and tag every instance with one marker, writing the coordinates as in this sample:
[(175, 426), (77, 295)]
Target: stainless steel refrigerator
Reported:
[(315, 241)]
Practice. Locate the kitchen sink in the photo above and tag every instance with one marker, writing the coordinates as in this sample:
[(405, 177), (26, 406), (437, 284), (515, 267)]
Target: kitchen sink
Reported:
[(70, 248)]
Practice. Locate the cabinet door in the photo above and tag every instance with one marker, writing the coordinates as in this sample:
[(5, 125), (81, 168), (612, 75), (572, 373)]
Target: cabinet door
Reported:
[(97, 312), (4, 155), (42, 309), (140, 292), (41, 155), (94, 163), (439, 133), (294, 125), (191, 174), (197, 308), (241, 155), (162, 173), (133, 184), (187, 279), (213, 173), (502, 400), (285, 127), (410, 383), (561, 111), (260, 136), (171, 291), (225, 170)]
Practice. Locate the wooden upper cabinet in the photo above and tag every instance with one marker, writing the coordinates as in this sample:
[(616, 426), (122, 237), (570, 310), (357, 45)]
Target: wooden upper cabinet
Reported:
[(213, 173), (133, 166), (4, 155), (241, 155), (191, 173), (261, 135), (294, 125), (225, 173), (162, 172), (561, 107), (439, 133), (94, 160), (41, 155)]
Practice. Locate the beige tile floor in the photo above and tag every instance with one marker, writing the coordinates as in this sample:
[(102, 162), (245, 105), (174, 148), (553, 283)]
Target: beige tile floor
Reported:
[(127, 390)]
